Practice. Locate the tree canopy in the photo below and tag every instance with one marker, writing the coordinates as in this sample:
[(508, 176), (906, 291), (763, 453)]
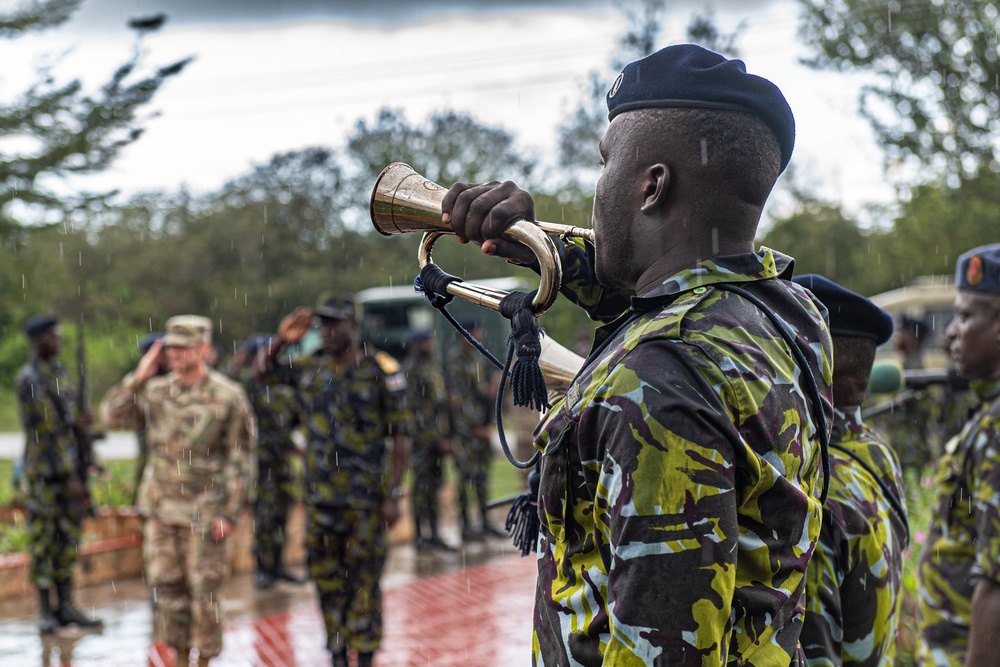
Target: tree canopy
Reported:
[(933, 102)]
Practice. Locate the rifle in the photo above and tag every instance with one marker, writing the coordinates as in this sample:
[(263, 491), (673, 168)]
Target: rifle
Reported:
[(85, 438)]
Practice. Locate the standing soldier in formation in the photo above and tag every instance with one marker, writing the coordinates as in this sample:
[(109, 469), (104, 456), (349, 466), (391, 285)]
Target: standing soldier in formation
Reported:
[(960, 564), (351, 403), (470, 397), (200, 473), (428, 401), (58, 498), (140, 435), (854, 575), (275, 406)]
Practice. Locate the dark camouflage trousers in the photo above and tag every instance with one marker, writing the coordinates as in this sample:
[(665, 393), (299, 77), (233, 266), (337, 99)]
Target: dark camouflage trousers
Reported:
[(427, 480), (472, 458), (346, 551), (185, 568), (54, 538), (275, 495)]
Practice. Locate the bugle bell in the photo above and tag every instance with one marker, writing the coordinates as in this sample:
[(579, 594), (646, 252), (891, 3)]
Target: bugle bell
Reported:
[(403, 201)]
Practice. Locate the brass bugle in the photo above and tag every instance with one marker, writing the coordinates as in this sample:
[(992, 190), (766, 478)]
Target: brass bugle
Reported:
[(403, 201)]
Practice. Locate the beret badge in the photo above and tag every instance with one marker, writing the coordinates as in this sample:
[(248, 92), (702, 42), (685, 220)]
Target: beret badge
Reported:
[(974, 271), (616, 86)]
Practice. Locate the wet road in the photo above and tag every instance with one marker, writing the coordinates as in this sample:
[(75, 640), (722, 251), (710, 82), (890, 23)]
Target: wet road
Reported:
[(442, 609)]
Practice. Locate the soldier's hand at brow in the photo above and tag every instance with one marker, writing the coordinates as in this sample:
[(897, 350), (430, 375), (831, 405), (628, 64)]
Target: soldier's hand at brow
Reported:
[(150, 363), (389, 512), (295, 325), (85, 418)]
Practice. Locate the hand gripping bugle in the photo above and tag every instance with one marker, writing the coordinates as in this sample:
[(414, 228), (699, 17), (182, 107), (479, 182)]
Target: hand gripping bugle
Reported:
[(403, 201)]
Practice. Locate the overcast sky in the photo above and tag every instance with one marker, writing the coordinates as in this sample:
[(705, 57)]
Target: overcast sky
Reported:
[(276, 75)]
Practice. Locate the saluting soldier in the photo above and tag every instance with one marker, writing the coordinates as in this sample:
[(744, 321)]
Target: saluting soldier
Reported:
[(197, 483), (428, 402), (960, 563), (681, 477), (276, 408), (852, 587), (351, 402), (58, 499), (470, 396)]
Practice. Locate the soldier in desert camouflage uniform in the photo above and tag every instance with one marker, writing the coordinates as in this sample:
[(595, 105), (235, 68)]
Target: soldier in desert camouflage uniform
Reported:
[(276, 409), (855, 573), (57, 496), (681, 474), (350, 403), (201, 468), (960, 564), (428, 403)]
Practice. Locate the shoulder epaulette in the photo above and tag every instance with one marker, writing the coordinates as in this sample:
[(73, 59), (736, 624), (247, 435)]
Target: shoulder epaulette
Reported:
[(387, 363)]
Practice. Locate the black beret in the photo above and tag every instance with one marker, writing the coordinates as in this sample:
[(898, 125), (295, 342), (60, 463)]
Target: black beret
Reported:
[(256, 342), (39, 324), (850, 314), (979, 270), (338, 307), (469, 324), (149, 340), (689, 76)]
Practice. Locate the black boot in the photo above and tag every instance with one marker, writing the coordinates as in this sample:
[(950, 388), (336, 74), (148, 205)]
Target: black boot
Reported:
[(339, 656), (67, 614), (282, 573), (47, 621), (366, 659), (264, 577)]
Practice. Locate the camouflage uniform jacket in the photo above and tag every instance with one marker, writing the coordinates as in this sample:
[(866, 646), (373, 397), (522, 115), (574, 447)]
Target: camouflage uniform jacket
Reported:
[(277, 412), (348, 411), (428, 400), (51, 453), (963, 540), (854, 576), (201, 445), (680, 479), (467, 374)]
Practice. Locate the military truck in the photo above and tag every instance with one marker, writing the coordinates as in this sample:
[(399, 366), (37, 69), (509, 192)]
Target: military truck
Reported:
[(931, 298)]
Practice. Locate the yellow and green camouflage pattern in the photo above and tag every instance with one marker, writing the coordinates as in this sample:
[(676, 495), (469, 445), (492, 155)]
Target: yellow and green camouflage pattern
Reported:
[(348, 412), (854, 576), (963, 540), (680, 478)]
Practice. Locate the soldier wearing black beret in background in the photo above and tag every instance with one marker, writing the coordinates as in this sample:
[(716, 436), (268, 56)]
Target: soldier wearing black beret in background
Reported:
[(277, 411), (852, 585), (57, 496), (960, 563), (681, 473), (428, 401)]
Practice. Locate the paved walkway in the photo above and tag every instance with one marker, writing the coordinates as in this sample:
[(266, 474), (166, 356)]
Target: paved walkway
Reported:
[(471, 607)]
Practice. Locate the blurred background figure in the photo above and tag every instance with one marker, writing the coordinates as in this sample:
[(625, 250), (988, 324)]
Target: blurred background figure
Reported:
[(274, 404), (471, 393), (428, 401)]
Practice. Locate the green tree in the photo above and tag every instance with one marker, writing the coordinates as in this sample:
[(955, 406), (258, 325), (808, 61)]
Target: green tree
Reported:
[(934, 103), (72, 131)]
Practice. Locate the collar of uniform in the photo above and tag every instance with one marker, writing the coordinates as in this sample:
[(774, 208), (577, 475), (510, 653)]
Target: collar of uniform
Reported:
[(846, 423), (985, 390), (742, 268)]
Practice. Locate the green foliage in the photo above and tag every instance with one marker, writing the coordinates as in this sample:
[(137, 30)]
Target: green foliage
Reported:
[(114, 486), (934, 105), (921, 498)]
